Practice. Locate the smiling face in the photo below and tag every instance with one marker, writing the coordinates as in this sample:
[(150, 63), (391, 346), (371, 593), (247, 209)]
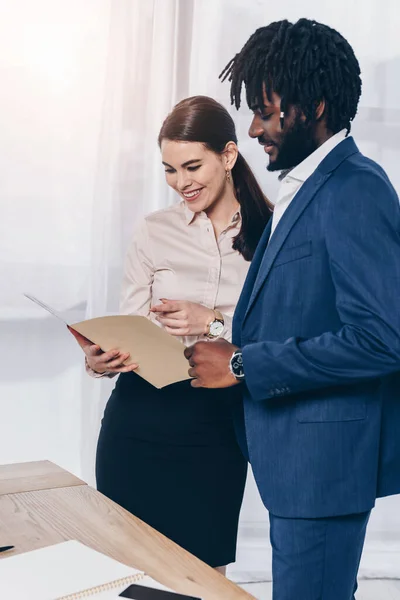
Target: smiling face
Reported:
[(196, 173), (285, 147)]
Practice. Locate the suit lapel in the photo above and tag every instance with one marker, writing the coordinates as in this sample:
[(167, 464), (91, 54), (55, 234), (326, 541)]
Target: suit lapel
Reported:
[(289, 218), (250, 281), (302, 199), (266, 253)]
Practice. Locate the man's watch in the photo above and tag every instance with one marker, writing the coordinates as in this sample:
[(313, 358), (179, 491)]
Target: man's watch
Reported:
[(216, 327), (236, 365)]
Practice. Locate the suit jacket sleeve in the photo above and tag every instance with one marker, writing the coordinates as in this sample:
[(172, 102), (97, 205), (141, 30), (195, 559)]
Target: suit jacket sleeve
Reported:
[(362, 236)]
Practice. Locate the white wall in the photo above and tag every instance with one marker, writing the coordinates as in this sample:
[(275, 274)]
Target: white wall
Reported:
[(52, 69)]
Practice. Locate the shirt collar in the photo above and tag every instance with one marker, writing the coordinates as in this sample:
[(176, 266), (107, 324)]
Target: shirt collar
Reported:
[(306, 168), (190, 216)]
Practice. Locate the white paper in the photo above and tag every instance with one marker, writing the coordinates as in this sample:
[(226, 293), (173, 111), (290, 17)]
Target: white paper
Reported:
[(56, 571)]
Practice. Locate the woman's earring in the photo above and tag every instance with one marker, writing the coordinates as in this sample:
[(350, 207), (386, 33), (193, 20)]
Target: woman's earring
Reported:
[(228, 174)]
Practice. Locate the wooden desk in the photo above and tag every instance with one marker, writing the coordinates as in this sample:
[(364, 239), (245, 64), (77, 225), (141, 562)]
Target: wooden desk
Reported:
[(31, 476), (53, 511)]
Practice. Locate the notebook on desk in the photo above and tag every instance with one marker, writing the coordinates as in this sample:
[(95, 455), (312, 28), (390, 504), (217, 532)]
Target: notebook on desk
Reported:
[(70, 571)]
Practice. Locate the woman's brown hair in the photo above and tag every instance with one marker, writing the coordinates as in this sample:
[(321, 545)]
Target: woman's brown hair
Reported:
[(202, 119)]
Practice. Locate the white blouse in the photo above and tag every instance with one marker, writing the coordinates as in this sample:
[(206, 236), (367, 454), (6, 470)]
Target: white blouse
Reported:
[(175, 255)]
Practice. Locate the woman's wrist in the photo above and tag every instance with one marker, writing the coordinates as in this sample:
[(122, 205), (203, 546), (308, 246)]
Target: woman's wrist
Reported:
[(210, 319), (91, 368), (215, 326)]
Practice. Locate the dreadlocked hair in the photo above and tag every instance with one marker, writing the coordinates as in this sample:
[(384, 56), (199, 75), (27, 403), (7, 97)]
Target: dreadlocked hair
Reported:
[(303, 62)]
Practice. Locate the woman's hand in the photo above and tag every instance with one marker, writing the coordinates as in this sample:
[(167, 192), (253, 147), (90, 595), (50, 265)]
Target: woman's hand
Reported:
[(103, 362), (180, 317)]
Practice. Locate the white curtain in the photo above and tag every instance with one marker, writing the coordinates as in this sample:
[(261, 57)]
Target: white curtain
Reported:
[(85, 87)]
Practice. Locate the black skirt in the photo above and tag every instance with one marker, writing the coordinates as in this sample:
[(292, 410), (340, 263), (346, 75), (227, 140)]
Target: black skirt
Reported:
[(171, 458)]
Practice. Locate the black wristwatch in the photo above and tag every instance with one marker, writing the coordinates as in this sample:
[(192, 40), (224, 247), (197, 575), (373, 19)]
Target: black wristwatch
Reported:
[(236, 365)]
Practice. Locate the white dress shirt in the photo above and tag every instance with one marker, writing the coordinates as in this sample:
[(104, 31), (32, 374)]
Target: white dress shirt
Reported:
[(293, 181)]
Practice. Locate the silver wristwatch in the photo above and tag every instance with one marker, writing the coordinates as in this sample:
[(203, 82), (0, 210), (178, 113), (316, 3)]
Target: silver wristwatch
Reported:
[(236, 365), (216, 326)]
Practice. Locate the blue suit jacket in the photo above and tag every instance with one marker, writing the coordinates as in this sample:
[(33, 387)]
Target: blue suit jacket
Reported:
[(319, 324)]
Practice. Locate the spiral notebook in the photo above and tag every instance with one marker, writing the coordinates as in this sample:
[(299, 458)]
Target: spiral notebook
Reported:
[(66, 571)]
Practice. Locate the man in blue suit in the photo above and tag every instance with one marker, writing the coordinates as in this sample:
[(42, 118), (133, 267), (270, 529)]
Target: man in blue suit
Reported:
[(316, 333)]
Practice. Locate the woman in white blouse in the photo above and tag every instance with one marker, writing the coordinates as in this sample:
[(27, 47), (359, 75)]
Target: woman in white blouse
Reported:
[(170, 456)]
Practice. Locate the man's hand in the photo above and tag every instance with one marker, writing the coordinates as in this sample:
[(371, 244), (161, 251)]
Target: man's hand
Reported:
[(209, 362)]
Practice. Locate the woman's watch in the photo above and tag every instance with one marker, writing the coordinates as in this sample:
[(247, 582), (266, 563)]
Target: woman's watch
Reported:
[(216, 326), (236, 365)]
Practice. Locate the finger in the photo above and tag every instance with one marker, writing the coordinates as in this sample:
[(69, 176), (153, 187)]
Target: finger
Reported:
[(188, 351), (118, 362), (196, 383), (177, 332), (92, 351), (96, 351), (130, 367), (192, 372), (174, 323), (125, 368), (191, 362), (104, 360), (169, 307), (179, 315), (157, 308)]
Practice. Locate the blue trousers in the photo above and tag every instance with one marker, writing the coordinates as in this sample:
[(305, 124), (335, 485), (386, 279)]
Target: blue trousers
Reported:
[(316, 559)]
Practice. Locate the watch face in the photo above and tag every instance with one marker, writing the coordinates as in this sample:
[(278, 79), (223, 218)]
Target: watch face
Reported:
[(216, 328), (237, 365)]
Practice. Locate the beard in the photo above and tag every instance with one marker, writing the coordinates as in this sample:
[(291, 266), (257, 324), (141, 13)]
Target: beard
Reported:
[(297, 143)]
